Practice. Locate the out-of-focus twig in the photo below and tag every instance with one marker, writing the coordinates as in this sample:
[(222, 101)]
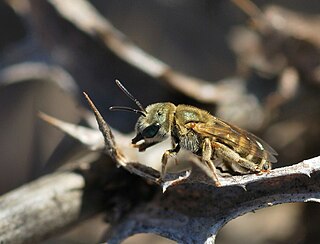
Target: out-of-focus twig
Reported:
[(255, 13), (292, 38), (286, 22), (298, 25), (87, 136), (86, 18), (38, 72), (44, 207)]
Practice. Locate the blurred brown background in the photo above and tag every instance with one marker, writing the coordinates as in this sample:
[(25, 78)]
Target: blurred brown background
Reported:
[(45, 64)]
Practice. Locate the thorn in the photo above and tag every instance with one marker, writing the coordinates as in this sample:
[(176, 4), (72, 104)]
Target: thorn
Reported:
[(45, 117), (243, 186), (308, 174), (165, 186), (51, 120)]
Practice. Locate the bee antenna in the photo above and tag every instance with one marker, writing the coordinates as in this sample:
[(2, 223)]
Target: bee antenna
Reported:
[(120, 108), (125, 91)]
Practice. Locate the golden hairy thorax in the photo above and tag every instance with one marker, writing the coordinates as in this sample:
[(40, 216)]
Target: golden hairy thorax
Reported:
[(188, 138)]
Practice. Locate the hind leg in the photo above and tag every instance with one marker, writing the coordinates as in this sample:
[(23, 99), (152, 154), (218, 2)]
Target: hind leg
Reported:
[(232, 157)]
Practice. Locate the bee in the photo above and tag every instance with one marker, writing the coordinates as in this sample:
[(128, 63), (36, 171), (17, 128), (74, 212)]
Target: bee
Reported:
[(206, 136)]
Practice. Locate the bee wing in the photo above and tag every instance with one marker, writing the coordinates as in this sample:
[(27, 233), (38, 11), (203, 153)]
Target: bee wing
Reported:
[(238, 139)]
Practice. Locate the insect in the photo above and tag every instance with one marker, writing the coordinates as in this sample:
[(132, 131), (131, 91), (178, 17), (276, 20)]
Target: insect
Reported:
[(206, 136)]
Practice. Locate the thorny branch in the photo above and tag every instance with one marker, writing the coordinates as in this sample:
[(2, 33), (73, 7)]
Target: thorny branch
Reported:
[(208, 208), (55, 201)]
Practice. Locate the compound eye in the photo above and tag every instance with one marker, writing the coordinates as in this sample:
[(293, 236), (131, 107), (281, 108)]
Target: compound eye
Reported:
[(150, 131)]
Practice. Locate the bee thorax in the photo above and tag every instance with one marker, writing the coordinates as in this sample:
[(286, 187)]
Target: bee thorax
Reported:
[(190, 142)]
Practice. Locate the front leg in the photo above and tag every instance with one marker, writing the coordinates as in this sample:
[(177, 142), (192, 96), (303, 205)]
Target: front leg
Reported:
[(165, 157)]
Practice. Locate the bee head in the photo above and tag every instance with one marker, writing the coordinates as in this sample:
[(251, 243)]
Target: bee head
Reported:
[(154, 124)]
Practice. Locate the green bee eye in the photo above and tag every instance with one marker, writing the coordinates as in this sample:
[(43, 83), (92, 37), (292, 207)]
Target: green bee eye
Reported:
[(150, 131)]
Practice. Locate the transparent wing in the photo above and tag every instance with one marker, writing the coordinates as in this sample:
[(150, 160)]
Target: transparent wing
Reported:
[(237, 138)]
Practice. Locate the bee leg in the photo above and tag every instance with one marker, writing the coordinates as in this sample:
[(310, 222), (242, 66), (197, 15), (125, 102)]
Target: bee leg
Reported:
[(176, 148), (233, 157), (251, 166), (206, 157), (165, 157)]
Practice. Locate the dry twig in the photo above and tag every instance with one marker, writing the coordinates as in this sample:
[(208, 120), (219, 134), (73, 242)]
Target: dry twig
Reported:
[(44, 207), (208, 208), (83, 15)]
